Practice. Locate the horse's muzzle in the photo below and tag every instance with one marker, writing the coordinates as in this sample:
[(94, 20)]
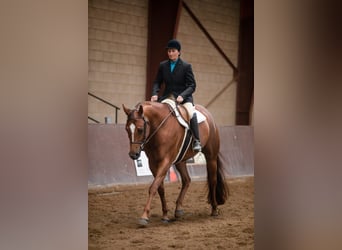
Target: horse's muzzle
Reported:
[(134, 155)]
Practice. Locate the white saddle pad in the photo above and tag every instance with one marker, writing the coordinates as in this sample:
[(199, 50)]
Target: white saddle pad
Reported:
[(200, 116)]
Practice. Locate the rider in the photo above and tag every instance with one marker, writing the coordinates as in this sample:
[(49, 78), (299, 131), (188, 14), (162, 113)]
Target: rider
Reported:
[(180, 83)]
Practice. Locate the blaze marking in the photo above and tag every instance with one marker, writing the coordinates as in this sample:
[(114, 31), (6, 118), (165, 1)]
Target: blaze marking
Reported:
[(132, 128)]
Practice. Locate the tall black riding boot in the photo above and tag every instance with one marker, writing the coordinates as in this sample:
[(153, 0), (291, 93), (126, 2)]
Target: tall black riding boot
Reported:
[(194, 129)]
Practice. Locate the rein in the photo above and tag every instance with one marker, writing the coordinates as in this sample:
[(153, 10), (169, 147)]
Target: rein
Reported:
[(155, 131)]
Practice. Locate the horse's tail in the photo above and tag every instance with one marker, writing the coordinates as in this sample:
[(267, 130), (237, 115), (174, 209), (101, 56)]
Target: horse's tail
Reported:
[(222, 189)]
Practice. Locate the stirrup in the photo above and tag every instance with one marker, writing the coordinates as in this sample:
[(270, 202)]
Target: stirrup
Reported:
[(197, 146)]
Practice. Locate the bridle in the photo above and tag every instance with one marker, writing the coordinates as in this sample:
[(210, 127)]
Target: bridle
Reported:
[(146, 139), (141, 143)]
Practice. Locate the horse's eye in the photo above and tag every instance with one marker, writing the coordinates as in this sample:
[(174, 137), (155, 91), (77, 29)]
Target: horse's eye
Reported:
[(140, 130)]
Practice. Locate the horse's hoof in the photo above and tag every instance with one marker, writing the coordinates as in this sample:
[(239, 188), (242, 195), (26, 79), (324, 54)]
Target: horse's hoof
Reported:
[(143, 222), (179, 213), (215, 212), (165, 220)]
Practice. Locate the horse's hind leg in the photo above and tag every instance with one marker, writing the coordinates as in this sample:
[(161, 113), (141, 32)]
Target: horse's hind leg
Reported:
[(181, 167), (212, 183)]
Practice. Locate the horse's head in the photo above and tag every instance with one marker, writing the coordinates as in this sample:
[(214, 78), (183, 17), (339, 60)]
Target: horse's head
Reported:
[(136, 127)]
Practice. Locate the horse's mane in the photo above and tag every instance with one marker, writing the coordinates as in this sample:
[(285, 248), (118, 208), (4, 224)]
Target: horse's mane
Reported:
[(153, 108), (144, 103), (148, 104)]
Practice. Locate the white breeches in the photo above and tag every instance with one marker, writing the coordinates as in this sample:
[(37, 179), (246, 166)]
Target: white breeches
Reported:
[(190, 108)]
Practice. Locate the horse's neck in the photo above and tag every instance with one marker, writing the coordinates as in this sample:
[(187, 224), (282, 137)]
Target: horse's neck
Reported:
[(156, 114)]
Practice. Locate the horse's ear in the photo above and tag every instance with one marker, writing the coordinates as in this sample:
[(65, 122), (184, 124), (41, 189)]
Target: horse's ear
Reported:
[(127, 111), (141, 110)]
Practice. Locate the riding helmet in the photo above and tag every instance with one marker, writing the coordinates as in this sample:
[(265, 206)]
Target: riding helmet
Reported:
[(173, 44)]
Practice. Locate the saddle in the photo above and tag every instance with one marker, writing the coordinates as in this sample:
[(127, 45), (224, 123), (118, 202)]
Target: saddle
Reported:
[(183, 118), (182, 114)]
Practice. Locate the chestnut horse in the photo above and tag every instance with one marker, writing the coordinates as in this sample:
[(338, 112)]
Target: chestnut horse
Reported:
[(153, 127)]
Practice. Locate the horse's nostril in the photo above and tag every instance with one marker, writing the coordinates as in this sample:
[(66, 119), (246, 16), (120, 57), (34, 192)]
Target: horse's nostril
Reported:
[(134, 156)]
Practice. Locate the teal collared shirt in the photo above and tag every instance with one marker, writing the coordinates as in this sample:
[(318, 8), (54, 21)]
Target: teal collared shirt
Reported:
[(173, 64)]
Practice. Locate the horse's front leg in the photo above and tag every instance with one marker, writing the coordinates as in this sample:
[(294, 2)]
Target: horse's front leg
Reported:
[(158, 180), (183, 171), (161, 192)]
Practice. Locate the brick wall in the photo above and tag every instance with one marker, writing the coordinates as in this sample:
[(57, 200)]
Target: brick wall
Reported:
[(117, 55), (212, 72)]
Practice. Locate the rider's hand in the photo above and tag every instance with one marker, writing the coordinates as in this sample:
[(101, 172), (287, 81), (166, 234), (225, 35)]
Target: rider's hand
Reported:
[(180, 99), (154, 98)]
